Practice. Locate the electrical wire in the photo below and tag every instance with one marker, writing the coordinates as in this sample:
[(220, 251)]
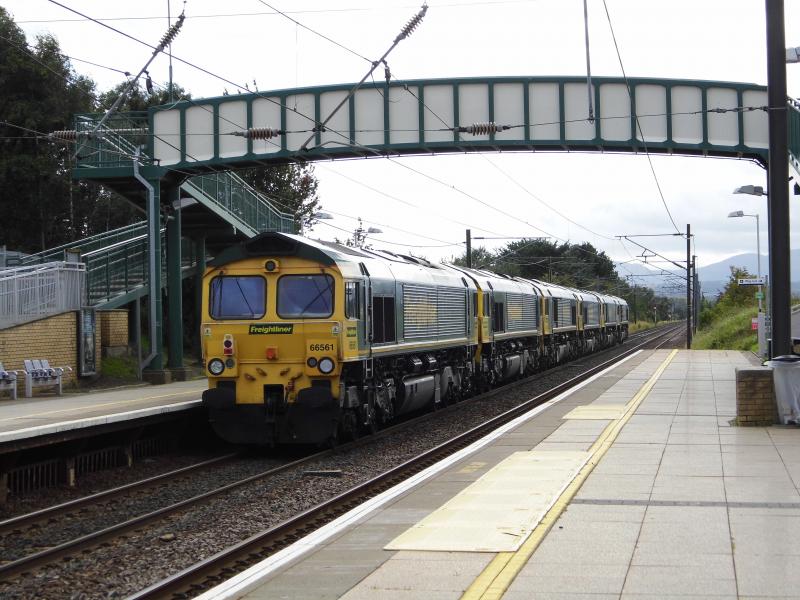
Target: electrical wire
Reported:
[(638, 124), (294, 12)]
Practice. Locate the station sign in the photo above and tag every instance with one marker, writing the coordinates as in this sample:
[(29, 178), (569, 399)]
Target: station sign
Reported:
[(752, 281)]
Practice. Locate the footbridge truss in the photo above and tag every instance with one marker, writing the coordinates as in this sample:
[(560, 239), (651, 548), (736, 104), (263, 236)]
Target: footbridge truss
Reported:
[(170, 148), (460, 115)]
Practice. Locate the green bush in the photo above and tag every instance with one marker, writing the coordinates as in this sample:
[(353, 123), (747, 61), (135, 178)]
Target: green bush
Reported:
[(725, 324), (730, 331)]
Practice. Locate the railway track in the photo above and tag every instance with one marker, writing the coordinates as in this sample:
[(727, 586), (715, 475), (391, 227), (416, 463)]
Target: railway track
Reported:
[(272, 540), (224, 565)]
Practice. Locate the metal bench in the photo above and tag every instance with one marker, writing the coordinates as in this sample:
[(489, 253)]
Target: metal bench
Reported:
[(39, 373), (8, 381)]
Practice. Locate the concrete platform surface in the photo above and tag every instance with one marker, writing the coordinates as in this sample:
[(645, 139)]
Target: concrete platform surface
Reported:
[(44, 414), (673, 502)]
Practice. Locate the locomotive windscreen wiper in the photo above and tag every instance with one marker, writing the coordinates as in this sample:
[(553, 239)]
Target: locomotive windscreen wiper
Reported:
[(319, 294), (244, 297)]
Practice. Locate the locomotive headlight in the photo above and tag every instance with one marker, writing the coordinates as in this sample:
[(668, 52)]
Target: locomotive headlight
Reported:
[(216, 366), (312, 362), (326, 365)]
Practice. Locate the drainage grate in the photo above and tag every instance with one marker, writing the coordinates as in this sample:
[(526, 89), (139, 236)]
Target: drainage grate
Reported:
[(29, 478), (151, 447), (99, 460), (53, 472)]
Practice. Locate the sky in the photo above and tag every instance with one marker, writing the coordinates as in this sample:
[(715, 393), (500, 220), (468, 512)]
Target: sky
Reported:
[(425, 211)]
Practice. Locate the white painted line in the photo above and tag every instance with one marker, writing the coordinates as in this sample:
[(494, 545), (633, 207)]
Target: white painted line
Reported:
[(40, 430), (250, 579)]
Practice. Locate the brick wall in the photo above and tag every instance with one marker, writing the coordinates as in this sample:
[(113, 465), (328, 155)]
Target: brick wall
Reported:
[(54, 338), (113, 327), (755, 397)]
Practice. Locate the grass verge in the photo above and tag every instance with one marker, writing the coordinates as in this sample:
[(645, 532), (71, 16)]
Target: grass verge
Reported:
[(729, 332)]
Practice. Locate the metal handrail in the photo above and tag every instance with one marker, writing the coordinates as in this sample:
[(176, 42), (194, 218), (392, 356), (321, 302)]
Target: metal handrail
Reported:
[(87, 244), (238, 198)]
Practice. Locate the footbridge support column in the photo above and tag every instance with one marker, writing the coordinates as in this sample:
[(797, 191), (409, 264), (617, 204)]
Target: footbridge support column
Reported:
[(200, 269), (174, 285), (153, 363)]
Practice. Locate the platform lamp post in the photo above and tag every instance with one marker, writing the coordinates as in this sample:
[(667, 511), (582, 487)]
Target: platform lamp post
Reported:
[(739, 213), (766, 320)]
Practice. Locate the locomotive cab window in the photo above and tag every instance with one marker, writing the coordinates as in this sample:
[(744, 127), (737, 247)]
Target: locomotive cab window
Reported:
[(352, 300), (237, 297), (305, 296)]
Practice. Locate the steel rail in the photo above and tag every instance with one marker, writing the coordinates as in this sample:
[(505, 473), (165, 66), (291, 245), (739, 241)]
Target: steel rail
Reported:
[(48, 556), (57, 510), (223, 565)]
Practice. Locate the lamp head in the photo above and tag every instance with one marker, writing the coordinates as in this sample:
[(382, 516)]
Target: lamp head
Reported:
[(374, 230), (752, 190), (323, 216), (736, 213)]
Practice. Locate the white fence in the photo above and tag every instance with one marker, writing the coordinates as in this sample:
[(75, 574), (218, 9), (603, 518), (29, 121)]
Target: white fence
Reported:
[(32, 292)]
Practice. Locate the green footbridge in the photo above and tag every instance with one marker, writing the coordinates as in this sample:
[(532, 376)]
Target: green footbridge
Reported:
[(175, 161)]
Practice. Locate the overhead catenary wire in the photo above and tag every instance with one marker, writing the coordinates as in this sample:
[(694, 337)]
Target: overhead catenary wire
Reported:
[(292, 12), (638, 123), (404, 33), (623, 245), (273, 198)]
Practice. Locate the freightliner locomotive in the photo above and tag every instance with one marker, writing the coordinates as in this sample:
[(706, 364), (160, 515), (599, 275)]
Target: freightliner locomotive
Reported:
[(306, 342)]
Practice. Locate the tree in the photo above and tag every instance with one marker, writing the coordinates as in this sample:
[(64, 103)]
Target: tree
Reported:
[(481, 259), (291, 188), (39, 93)]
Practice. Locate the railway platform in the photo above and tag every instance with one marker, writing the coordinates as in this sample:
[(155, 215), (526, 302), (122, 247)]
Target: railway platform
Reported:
[(57, 417), (634, 485)]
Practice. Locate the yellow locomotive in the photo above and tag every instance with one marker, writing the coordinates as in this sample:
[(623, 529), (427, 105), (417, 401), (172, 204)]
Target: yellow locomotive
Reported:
[(304, 341)]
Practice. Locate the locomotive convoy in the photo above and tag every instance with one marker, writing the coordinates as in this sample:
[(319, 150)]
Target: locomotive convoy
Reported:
[(307, 340)]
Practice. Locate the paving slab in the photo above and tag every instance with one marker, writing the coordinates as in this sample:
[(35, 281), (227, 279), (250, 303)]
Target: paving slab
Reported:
[(682, 505)]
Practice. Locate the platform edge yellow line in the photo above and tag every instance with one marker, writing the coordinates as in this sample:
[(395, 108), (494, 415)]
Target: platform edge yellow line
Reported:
[(498, 575)]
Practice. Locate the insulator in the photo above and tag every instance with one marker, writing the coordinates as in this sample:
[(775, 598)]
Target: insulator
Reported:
[(148, 83), (262, 133), (69, 135), (172, 32), (412, 24), (483, 128)]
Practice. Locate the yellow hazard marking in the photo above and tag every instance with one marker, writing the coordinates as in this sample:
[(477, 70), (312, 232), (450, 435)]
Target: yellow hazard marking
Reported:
[(499, 511), (498, 575), (472, 467), (599, 412)]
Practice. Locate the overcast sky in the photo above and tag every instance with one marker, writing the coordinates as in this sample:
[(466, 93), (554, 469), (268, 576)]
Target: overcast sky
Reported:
[(606, 195)]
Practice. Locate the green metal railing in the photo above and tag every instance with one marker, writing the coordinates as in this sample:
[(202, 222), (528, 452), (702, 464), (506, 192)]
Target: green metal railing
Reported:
[(118, 273), (115, 144), (88, 244), (224, 193), (230, 193)]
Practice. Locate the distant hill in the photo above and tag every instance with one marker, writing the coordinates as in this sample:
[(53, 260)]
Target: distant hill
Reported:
[(714, 277)]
